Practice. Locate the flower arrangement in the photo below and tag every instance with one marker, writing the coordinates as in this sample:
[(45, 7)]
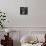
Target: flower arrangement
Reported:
[(2, 19)]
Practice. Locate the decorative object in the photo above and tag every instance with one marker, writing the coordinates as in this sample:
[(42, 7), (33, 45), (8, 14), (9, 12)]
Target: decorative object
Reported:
[(23, 10), (7, 31), (8, 40), (2, 19)]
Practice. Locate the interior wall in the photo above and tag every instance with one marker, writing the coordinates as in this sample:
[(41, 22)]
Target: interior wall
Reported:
[(36, 13)]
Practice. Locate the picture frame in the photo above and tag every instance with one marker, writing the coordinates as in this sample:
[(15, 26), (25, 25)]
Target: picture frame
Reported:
[(23, 10)]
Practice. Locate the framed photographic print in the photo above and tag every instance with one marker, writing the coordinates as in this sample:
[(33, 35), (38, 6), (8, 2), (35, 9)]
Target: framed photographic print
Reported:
[(23, 10)]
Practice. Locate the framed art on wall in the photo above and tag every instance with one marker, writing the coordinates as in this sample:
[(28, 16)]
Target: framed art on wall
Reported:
[(23, 10)]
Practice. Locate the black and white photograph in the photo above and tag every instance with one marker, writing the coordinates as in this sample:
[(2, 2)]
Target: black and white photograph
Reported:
[(23, 10)]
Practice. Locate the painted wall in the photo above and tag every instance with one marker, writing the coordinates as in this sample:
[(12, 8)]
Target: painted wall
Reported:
[(36, 13)]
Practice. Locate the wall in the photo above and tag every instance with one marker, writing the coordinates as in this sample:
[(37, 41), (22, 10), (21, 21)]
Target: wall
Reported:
[(36, 13)]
